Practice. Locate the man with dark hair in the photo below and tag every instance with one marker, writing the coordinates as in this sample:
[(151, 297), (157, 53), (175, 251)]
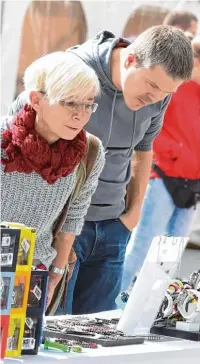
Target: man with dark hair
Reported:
[(137, 80), (173, 190), (184, 20)]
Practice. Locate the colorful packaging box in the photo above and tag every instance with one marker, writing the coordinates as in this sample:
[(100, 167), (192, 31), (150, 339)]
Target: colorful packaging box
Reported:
[(9, 248), (4, 324), (20, 293), (15, 335), (17, 238), (6, 291), (16, 255), (32, 335), (37, 293), (26, 246)]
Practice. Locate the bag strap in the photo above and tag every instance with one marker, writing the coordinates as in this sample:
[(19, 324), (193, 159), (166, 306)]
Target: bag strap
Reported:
[(83, 172), (86, 165), (158, 170)]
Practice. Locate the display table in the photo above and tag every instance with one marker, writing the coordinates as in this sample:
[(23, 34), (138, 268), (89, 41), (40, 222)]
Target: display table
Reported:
[(169, 352)]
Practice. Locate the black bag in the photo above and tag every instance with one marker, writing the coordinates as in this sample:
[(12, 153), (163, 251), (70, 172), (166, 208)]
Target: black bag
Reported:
[(185, 193)]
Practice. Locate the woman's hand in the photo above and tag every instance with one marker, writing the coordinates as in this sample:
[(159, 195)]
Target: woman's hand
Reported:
[(54, 279), (62, 244)]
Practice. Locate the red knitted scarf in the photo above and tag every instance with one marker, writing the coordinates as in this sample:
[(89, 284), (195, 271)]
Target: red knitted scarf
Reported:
[(27, 152)]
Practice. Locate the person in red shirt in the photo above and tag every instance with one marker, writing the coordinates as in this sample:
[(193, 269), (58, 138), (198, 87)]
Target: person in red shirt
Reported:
[(174, 185)]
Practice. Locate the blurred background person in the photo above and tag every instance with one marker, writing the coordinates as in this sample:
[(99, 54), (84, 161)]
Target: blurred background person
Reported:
[(143, 17), (176, 155), (52, 26), (194, 241), (184, 20)]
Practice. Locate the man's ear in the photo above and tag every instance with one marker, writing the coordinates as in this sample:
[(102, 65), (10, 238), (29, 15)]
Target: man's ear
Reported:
[(130, 60), (35, 100), (196, 62)]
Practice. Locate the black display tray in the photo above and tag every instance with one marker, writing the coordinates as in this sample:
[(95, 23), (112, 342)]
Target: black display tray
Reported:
[(122, 340), (173, 332)]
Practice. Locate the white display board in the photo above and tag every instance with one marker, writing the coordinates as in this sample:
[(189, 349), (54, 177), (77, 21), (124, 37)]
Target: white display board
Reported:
[(100, 14), (160, 266)]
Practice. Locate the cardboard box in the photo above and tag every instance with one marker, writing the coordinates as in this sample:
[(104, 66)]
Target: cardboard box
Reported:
[(4, 322), (15, 335), (6, 291), (9, 248), (37, 292), (17, 246), (20, 293), (32, 335)]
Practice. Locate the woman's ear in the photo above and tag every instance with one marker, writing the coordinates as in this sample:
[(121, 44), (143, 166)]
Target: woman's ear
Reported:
[(35, 100)]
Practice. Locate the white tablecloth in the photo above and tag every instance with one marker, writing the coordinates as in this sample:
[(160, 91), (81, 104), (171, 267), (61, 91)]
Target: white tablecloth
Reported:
[(172, 352)]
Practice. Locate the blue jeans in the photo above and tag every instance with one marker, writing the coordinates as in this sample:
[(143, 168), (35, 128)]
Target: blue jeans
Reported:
[(96, 279), (159, 216)]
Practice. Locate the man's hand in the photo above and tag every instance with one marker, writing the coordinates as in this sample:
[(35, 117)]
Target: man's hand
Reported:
[(136, 189), (54, 279), (130, 218)]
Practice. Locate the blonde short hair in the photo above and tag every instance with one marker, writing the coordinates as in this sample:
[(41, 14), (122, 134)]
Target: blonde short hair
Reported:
[(61, 75)]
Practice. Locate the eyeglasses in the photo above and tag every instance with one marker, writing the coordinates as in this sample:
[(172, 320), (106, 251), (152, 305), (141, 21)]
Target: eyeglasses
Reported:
[(73, 106)]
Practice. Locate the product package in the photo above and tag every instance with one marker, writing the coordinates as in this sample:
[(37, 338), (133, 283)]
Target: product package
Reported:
[(17, 246), (37, 292), (26, 247), (6, 291), (20, 293), (4, 324), (15, 335), (32, 335), (9, 248)]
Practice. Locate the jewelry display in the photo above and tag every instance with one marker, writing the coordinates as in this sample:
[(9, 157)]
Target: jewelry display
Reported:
[(88, 332)]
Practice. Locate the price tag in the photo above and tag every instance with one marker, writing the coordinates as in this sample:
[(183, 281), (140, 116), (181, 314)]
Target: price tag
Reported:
[(5, 241), (37, 292), (6, 259), (25, 245), (29, 322)]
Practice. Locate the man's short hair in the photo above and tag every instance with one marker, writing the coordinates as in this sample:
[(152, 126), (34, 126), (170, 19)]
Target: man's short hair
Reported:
[(182, 19), (167, 47)]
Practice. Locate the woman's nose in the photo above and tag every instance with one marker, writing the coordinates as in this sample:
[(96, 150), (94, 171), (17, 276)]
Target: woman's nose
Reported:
[(78, 115)]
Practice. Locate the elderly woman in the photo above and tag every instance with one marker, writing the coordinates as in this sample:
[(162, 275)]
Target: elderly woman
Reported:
[(42, 147)]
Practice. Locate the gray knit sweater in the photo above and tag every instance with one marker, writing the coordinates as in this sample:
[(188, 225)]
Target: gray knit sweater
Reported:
[(29, 199)]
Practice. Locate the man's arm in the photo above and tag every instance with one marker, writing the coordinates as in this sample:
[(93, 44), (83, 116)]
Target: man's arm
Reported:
[(141, 166)]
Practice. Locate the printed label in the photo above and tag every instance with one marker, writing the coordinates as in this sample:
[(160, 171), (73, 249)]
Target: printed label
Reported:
[(29, 322), (9, 343), (25, 245), (6, 259), (28, 343), (5, 241), (37, 292)]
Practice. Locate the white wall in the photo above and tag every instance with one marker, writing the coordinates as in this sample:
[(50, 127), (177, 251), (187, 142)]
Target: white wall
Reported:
[(112, 15), (105, 14)]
